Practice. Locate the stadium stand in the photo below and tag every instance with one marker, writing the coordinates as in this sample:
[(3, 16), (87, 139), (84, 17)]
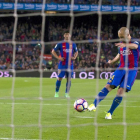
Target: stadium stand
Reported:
[(28, 56)]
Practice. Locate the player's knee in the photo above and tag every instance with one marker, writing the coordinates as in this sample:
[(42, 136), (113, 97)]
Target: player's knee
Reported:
[(109, 87), (120, 91), (112, 86)]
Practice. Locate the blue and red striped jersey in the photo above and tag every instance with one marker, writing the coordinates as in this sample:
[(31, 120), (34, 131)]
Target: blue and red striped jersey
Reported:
[(66, 49), (133, 56)]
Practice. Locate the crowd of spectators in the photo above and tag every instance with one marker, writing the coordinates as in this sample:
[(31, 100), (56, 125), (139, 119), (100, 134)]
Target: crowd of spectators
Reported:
[(23, 1), (28, 56), (75, 1), (106, 2), (133, 2), (27, 59), (25, 31)]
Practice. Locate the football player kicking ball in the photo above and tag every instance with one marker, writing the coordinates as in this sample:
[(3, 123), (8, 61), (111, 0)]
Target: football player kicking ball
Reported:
[(68, 52), (130, 50)]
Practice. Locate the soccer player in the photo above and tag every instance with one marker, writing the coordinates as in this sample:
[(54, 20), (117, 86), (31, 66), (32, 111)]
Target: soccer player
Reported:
[(68, 52), (130, 50)]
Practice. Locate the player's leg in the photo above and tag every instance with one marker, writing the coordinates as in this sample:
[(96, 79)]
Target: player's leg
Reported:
[(116, 102), (113, 82), (130, 81), (68, 85), (58, 83), (101, 95), (123, 88), (69, 75), (61, 74)]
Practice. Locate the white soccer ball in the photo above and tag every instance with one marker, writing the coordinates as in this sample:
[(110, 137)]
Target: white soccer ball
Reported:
[(80, 105)]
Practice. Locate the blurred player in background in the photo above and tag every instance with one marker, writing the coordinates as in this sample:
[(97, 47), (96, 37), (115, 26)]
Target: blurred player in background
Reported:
[(68, 53), (126, 49)]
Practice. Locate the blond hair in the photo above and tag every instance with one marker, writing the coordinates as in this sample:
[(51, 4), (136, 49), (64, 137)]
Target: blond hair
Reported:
[(123, 33)]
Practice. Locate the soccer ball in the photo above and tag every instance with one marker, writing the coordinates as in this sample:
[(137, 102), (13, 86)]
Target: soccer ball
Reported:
[(80, 105)]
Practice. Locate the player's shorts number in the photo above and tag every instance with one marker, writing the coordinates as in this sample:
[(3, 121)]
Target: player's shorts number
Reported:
[(59, 71), (111, 79)]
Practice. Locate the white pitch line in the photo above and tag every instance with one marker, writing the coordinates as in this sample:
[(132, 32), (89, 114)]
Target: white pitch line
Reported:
[(16, 139), (31, 104), (84, 117), (64, 99), (112, 100), (56, 104)]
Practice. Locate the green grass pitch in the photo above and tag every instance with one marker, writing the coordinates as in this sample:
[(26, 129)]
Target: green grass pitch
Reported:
[(55, 111)]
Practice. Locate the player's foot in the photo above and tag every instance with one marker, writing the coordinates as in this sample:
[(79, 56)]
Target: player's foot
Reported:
[(108, 116), (92, 107), (56, 94), (67, 95)]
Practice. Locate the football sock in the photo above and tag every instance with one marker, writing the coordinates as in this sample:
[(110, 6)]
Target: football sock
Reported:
[(58, 83), (102, 94), (68, 85), (117, 100)]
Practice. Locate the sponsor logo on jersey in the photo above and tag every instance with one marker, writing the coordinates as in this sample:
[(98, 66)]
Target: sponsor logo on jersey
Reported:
[(125, 52), (67, 50)]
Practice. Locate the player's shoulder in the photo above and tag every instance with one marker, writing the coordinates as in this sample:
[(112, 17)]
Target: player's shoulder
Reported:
[(59, 44)]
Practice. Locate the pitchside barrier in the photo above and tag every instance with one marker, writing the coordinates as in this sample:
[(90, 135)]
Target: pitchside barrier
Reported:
[(47, 74)]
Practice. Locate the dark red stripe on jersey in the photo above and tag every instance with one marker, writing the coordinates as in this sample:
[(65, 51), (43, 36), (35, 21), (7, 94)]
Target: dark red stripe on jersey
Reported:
[(121, 58), (131, 59), (71, 53), (137, 57), (64, 53)]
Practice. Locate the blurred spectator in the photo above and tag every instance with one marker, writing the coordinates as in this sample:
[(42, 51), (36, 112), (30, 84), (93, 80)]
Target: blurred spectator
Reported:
[(104, 2)]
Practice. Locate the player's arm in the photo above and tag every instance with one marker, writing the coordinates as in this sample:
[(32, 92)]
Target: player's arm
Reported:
[(130, 45), (75, 56), (55, 54), (115, 59), (76, 52)]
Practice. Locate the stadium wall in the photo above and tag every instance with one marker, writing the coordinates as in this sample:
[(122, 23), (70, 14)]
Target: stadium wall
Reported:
[(48, 74)]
